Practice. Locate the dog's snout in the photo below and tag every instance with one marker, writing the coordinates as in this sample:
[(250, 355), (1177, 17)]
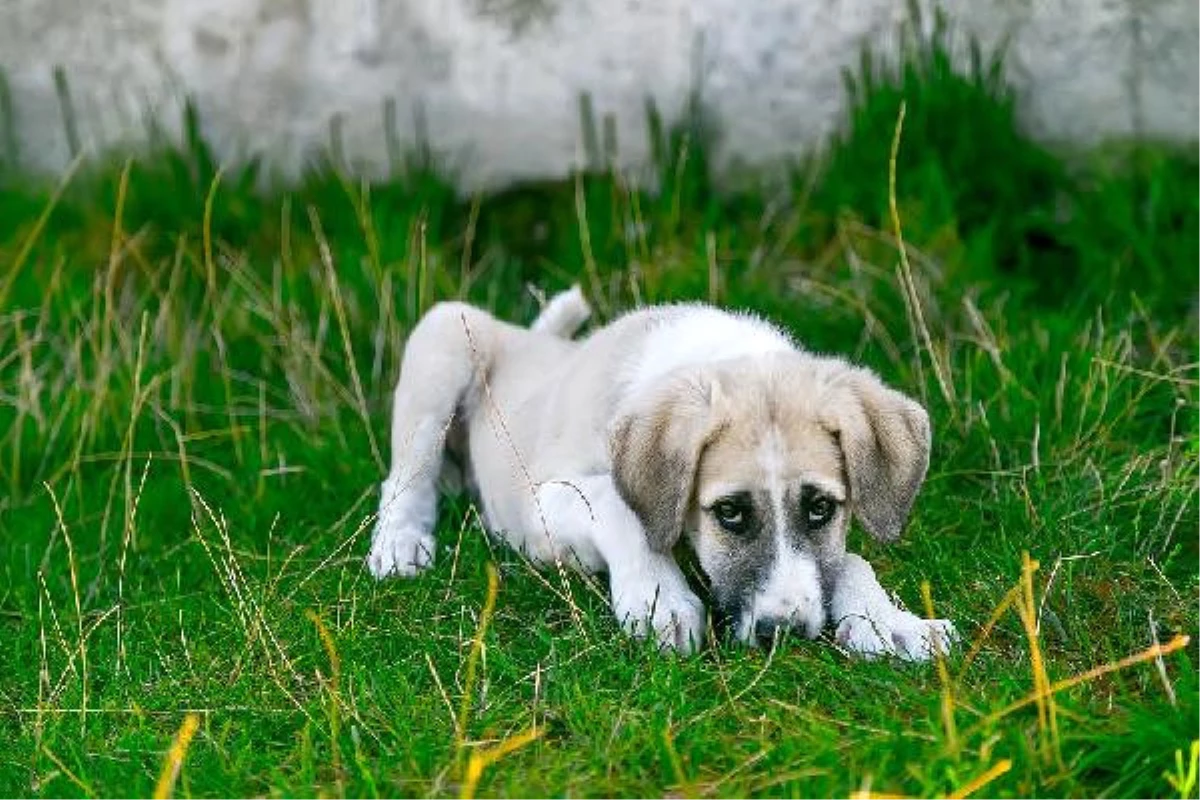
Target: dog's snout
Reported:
[(766, 630)]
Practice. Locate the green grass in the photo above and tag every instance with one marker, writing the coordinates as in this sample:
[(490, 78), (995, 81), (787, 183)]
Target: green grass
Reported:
[(194, 384)]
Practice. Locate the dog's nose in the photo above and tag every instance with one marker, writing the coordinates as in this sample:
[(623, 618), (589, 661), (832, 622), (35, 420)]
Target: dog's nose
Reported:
[(766, 629)]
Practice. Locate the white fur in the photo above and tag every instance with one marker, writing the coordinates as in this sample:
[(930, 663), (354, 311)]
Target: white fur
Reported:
[(699, 335), (869, 624), (772, 460), (792, 593), (408, 508), (564, 314), (594, 528), (537, 409)]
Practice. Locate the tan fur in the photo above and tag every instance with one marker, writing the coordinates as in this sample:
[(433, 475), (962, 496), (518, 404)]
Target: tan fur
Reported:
[(655, 448), (840, 425), (885, 437)]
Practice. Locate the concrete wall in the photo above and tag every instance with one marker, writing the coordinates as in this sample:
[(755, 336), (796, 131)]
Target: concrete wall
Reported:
[(495, 84)]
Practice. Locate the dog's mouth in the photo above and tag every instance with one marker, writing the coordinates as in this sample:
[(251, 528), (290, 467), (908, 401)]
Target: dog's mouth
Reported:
[(734, 623), (767, 632), (733, 617)]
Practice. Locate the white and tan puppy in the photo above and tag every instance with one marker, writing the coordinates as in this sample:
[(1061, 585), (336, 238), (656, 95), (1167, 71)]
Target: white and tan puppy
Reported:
[(673, 425)]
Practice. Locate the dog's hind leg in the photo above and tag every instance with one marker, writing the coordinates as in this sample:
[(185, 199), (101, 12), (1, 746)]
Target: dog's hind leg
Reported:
[(561, 317), (446, 358)]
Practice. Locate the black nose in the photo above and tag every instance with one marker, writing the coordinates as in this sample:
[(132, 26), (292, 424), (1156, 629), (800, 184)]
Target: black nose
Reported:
[(765, 630)]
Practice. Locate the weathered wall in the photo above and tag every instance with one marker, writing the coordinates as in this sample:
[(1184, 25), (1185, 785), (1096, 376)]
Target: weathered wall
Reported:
[(495, 84)]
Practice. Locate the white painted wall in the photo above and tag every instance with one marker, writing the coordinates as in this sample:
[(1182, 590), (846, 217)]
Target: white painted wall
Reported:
[(496, 83)]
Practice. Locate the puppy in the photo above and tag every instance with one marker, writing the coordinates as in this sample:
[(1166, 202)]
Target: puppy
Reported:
[(678, 425)]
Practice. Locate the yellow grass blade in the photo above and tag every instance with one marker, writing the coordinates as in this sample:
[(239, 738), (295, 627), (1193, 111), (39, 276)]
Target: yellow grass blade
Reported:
[(174, 760), (482, 759)]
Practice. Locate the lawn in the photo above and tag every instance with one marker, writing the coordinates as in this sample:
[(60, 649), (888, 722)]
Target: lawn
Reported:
[(195, 374)]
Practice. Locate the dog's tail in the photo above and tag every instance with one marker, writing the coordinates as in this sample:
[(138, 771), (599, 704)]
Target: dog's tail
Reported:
[(564, 315)]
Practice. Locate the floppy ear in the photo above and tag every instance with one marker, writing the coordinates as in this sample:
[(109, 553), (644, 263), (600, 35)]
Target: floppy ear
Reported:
[(655, 447), (885, 441)]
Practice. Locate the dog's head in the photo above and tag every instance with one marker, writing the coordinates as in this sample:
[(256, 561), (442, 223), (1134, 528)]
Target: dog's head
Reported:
[(759, 463)]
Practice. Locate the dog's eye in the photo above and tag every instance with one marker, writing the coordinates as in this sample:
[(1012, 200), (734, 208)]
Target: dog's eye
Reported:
[(818, 510), (733, 513)]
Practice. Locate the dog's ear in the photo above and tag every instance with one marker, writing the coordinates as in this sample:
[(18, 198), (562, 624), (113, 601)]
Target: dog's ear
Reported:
[(885, 441), (655, 447)]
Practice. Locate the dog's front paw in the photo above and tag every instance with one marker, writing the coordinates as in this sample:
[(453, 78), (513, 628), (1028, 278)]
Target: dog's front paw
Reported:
[(401, 550), (674, 617), (899, 634)]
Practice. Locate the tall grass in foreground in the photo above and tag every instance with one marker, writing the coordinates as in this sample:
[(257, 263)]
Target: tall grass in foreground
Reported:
[(193, 397)]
